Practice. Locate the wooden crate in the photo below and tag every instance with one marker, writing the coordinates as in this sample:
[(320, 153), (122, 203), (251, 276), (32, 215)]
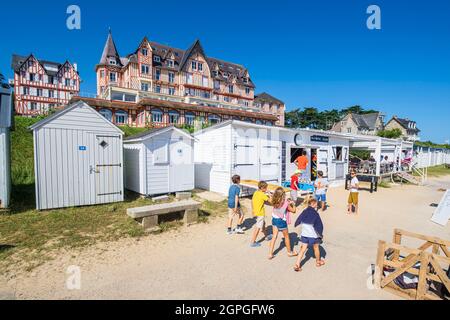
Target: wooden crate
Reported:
[(432, 256)]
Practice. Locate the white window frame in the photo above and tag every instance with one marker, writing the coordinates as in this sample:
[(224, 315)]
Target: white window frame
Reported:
[(157, 58), (174, 117), (145, 69), (106, 113), (120, 114), (157, 115), (171, 77), (189, 118)]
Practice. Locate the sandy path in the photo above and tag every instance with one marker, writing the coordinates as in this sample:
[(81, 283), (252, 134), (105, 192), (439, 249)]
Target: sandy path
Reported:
[(202, 262)]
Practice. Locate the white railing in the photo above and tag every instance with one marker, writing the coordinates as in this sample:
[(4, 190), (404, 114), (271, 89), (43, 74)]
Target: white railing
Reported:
[(421, 172)]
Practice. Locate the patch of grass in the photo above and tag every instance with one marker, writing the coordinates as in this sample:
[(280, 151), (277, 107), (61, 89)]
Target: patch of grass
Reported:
[(32, 234), (384, 184), (22, 160), (437, 171), (212, 209), (130, 131)]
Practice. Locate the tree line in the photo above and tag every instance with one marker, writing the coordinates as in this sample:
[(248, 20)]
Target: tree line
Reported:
[(312, 118)]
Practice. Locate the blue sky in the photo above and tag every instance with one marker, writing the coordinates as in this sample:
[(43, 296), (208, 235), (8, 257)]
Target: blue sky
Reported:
[(307, 53)]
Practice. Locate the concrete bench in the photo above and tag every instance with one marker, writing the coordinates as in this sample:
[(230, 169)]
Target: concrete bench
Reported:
[(148, 215)]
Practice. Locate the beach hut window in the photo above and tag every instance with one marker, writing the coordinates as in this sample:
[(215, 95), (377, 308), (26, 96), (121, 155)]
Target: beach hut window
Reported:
[(103, 144), (337, 153), (106, 113)]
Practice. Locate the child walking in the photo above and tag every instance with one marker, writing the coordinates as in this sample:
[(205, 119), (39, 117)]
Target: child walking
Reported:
[(281, 217), (294, 186), (312, 233), (259, 199), (321, 185), (354, 193), (234, 206)]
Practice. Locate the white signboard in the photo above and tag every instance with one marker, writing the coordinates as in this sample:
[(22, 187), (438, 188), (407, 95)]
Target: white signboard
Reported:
[(442, 213)]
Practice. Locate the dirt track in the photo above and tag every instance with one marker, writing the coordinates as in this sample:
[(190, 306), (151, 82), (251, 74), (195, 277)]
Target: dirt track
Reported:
[(202, 262)]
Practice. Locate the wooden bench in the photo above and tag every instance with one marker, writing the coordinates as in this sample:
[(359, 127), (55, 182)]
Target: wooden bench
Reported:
[(148, 215)]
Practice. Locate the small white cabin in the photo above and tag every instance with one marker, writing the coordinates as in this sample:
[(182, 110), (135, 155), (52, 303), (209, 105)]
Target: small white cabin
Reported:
[(236, 147), (159, 161), (5, 164), (326, 151), (259, 152), (78, 157)]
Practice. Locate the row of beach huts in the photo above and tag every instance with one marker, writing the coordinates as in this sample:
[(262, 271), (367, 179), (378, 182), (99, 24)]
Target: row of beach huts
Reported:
[(81, 158)]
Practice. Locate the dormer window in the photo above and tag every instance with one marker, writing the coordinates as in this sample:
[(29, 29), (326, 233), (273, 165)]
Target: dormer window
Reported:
[(214, 73), (112, 62), (170, 63), (157, 58), (144, 51), (225, 75), (194, 65), (200, 66), (245, 80)]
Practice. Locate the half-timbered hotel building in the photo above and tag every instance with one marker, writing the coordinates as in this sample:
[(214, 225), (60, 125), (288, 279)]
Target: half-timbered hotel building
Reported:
[(158, 85), (41, 85)]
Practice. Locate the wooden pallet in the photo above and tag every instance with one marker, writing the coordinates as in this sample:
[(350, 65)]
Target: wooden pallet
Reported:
[(403, 259)]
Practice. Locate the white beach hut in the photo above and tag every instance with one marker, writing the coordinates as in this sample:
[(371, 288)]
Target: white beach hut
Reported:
[(326, 151), (235, 147), (5, 166), (78, 158), (259, 152), (159, 161)]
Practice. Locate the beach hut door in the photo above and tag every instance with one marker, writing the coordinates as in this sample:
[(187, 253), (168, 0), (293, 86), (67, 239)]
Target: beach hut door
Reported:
[(245, 157), (108, 168), (269, 160)]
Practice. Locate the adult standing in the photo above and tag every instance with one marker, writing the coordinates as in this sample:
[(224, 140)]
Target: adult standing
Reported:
[(302, 164)]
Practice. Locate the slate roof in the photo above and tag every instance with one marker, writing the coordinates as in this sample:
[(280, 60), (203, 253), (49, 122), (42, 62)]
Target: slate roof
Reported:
[(265, 97), (229, 69), (110, 51), (367, 121), (405, 123), (18, 60)]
